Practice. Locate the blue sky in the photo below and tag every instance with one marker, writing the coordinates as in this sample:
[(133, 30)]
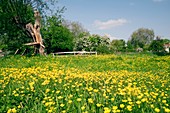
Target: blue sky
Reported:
[(118, 19)]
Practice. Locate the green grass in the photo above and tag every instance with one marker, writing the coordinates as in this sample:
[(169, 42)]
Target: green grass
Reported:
[(106, 83)]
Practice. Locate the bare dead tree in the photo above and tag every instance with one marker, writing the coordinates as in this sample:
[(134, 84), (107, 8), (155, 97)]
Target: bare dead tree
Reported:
[(34, 31)]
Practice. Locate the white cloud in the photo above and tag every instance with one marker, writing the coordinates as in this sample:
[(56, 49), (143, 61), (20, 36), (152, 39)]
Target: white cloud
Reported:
[(111, 37), (109, 24), (157, 0)]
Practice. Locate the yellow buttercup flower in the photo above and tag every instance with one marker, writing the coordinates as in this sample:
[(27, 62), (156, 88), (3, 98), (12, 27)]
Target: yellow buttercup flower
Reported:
[(61, 105), (79, 99), (122, 105), (83, 108), (98, 105), (157, 110), (129, 107), (114, 107), (90, 100)]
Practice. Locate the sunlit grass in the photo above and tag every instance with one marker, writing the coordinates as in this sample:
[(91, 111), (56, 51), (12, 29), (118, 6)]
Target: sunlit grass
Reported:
[(103, 84)]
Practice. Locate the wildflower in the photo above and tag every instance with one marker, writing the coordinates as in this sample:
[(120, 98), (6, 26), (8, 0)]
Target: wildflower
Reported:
[(90, 100), (107, 110), (70, 96), (114, 107), (164, 101), (60, 97), (19, 106), (61, 105), (104, 94), (112, 99), (78, 99), (90, 89), (98, 105), (152, 106), (138, 102), (12, 110), (129, 107), (83, 108), (95, 90), (144, 100), (16, 95), (167, 110), (70, 101), (118, 110), (124, 101), (45, 82), (140, 96), (122, 105), (50, 111), (47, 90), (58, 91), (157, 110), (64, 111)]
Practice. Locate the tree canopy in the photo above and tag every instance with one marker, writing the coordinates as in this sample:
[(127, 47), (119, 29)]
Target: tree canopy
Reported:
[(57, 37), (141, 37)]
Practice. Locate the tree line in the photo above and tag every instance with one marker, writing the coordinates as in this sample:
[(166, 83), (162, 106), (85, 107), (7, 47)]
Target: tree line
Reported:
[(63, 35)]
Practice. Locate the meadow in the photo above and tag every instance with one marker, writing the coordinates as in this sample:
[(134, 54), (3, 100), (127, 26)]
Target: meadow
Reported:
[(136, 83)]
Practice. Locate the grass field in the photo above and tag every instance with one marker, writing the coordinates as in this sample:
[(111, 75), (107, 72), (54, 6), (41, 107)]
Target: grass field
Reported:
[(104, 84)]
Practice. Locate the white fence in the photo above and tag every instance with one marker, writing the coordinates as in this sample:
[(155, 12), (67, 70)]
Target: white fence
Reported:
[(76, 53)]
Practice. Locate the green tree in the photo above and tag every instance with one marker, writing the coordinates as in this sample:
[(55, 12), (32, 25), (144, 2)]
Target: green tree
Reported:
[(141, 37), (117, 45), (56, 36), (157, 46), (129, 47), (15, 14)]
